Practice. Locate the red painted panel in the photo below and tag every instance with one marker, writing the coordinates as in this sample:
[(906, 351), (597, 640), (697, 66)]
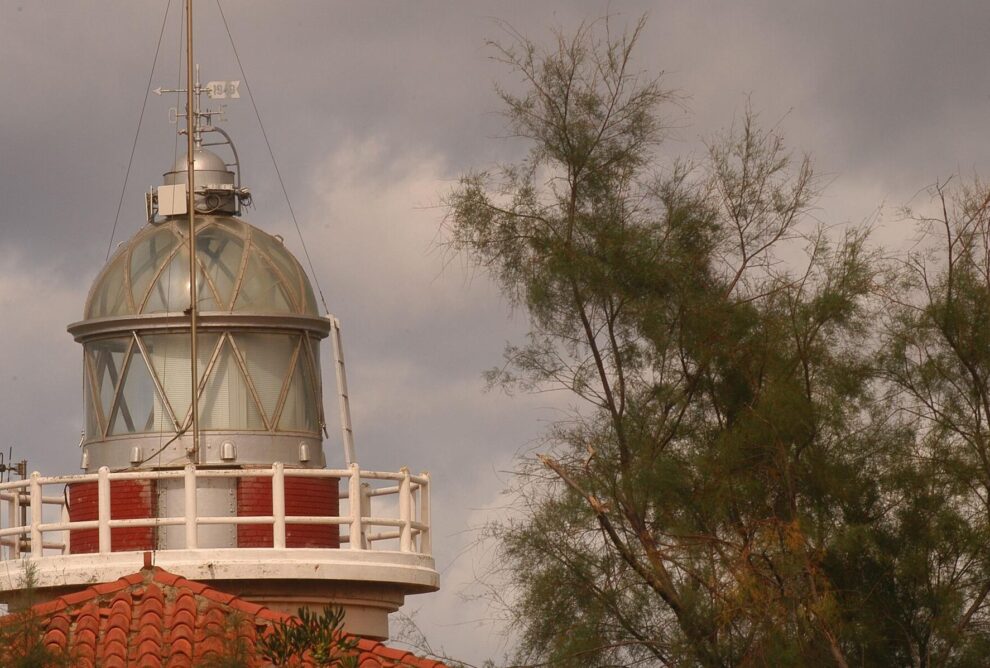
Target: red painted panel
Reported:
[(303, 496), (129, 499)]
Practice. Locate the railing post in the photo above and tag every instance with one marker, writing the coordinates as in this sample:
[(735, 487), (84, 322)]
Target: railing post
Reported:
[(354, 495), (13, 520), (192, 513), (365, 512), (36, 541), (66, 535), (425, 536), (405, 512), (103, 508), (278, 505)]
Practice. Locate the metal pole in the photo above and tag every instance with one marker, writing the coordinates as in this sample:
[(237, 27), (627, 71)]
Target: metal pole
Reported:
[(365, 512), (425, 538), (14, 519), (37, 541), (343, 399), (278, 505), (405, 512), (192, 512), (354, 496), (103, 507), (190, 160)]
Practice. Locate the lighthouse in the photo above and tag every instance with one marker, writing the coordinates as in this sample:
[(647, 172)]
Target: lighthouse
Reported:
[(203, 450)]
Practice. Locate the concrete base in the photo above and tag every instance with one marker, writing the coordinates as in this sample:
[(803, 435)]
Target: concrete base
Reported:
[(368, 584), (366, 606)]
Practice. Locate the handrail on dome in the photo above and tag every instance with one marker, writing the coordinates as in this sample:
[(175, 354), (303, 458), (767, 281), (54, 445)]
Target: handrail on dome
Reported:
[(32, 517)]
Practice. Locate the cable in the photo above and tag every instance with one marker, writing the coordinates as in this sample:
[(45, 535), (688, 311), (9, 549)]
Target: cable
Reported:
[(278, 173), (137, 133), (171, 256), (159, 451)]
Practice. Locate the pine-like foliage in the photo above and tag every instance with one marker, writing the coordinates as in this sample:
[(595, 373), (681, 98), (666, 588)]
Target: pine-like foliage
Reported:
[(738, 484), (318, 637)]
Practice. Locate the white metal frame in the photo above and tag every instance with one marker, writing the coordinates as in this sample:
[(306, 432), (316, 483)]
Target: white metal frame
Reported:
[(32, 537)]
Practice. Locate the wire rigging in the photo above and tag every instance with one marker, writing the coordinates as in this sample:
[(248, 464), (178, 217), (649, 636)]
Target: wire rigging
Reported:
[(168, 290), (163, 444), (271, 153), (137, 133)]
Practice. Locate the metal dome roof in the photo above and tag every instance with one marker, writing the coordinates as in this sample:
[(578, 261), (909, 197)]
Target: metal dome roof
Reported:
[(203, 160), (210, 169), (241, 270)]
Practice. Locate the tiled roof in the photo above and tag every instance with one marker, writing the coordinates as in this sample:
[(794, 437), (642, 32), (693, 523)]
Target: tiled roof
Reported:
[(156, 618)]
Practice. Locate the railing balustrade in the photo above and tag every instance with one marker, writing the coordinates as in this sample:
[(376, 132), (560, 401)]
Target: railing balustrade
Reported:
[(36, 525)]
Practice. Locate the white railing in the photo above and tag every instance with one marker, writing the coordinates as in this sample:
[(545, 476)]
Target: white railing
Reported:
[(36, 525)]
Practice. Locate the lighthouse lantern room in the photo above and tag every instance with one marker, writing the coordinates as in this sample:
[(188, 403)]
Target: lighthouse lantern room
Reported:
[(204, 423)]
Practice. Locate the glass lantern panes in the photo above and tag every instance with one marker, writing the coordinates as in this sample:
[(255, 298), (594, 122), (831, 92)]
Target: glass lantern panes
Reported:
[(94, 430), (207, 299), (110, 295), (227, 402), (147, 259), (314, 349), (267, 357), (169, 357), (105, 359), (254, 381), (262, 291), (299, 410), (275, 253), (220, 253), (170, 291), (310, 298), (139, 407), (241, 269)]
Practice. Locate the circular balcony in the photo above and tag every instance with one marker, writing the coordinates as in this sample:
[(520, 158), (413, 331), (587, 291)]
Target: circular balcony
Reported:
[(62, 533)]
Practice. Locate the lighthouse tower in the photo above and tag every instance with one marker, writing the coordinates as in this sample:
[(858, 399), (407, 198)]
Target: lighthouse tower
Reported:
[(204, 425)]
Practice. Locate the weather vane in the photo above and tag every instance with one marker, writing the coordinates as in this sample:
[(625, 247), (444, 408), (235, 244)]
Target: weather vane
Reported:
[(215, 90)]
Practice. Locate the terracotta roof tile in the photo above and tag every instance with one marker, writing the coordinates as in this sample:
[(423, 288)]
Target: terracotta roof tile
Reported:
[(109, 587), (390, 653), (247, 607), (49, 607), (61, 623), (181, 649), (55, 638), (134, 578), (75, 597), (218, 596), (155, 618), (87, 632), (164, 577)]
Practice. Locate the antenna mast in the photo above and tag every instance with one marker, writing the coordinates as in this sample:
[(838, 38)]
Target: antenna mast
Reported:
[(191, 122)]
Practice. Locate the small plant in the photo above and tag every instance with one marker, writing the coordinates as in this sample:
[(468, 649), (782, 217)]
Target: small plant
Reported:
[(321, 636), (235, 649), (22, 634)]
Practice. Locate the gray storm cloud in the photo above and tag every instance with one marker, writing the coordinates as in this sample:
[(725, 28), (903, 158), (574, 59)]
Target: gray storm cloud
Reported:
[(373, 110)]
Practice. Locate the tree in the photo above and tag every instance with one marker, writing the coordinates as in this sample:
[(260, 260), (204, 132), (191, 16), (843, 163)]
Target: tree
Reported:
[(319, 637), (937, 361), (722, 426), (22, 644), (22, 634)]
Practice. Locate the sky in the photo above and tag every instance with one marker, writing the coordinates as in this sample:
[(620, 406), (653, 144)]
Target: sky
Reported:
[(373, 110)]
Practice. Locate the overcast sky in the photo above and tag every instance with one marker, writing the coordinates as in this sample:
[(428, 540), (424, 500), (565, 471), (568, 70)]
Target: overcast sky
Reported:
[(373, 109)]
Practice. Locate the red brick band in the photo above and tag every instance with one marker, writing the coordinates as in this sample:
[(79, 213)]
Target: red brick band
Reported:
[(129, 499), (318, 497)]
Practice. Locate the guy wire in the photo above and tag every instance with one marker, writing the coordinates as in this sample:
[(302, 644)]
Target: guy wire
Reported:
[(271, 153), (137, 132)]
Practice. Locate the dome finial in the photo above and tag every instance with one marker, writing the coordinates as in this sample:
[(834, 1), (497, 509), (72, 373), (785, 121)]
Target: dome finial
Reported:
[(217, 182)]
